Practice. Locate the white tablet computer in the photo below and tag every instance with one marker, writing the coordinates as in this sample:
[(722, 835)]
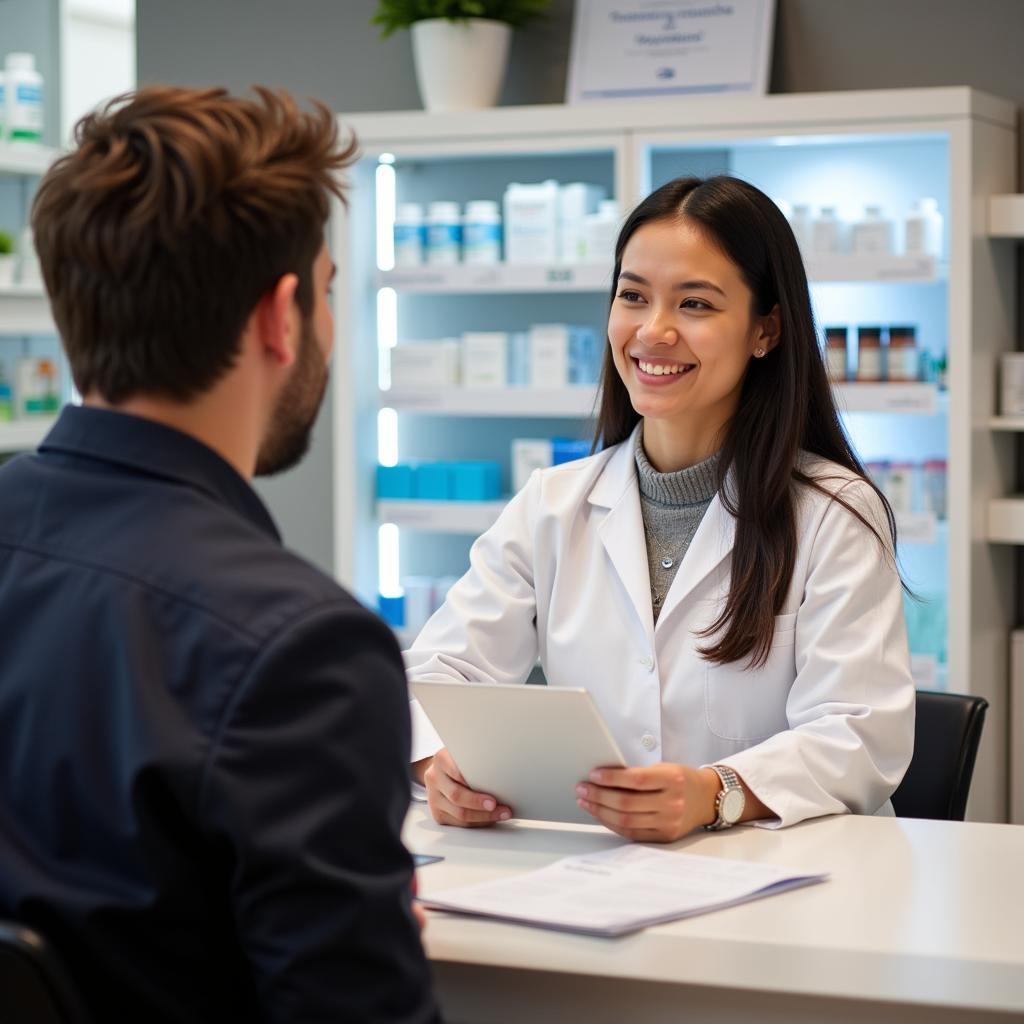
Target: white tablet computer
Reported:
[(526, 745)]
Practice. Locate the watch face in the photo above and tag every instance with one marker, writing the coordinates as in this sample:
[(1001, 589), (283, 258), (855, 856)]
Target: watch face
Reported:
[(732, 805)]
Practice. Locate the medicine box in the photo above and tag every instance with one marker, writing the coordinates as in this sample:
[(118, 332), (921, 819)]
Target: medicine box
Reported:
[(433, 481), (528, 454), (549, 355), (396, 482), (531, 222), (568, 449), (476, 480), (485, 359), (576, 201), (425, 364)]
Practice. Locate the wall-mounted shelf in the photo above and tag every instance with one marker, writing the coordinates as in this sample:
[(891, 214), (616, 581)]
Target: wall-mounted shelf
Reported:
[(25, 311), (579, 402), (1009, 423), (464, 517), (1006, 216), (572, 402), (854, 267), (914, 398), (473, 517), (25, 158), (24, 435), (1006, 520), (465, 278)]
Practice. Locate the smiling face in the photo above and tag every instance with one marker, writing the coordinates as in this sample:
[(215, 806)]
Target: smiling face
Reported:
[(682, 330)]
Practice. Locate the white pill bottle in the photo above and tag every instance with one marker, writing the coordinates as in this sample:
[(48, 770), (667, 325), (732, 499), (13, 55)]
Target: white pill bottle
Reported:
[(23, 88)]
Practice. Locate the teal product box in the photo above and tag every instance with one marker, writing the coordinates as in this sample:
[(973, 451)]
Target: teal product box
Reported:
[(433, 481), (392, 609), (395, 481), (584, 356), (518, 355), (476, 481), (566, 449)]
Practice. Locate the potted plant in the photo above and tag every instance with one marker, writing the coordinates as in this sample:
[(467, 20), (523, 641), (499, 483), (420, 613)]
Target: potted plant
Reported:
[(6, 260), (459, 47)]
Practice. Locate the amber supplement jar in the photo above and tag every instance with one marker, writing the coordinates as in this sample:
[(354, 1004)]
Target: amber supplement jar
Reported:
[(904, 360), (869, 354), (835, 353)]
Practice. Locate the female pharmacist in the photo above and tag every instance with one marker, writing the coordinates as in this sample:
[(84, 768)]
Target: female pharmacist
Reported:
[(720, 576)]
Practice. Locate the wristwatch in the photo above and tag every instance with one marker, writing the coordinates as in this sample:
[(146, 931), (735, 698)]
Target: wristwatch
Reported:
[(730, 800)]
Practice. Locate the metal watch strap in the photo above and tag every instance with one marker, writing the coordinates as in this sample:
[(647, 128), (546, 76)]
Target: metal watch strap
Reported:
[(730, 781)]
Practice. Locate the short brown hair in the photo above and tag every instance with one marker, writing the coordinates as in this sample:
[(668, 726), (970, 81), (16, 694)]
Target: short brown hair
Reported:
[(176, 212)]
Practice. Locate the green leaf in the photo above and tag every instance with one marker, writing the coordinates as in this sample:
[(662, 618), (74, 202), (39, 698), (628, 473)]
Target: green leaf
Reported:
[(392, 15)]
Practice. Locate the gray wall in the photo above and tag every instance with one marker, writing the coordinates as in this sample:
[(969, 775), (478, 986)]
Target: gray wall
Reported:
[(33, 26), (326, 48)]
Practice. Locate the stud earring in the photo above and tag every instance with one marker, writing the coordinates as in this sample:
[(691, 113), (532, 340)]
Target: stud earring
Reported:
[(758, 353)]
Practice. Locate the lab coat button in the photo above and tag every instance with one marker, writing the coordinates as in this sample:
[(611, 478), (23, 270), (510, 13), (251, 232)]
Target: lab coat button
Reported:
[(647, 662), (648, 742)]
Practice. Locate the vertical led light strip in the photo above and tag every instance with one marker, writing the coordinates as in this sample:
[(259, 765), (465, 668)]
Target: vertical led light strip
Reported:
[(388, 572), (387, 561), (385, 212)]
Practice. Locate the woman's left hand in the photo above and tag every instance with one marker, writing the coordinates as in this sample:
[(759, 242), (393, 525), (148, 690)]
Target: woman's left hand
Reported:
[(656, 803)]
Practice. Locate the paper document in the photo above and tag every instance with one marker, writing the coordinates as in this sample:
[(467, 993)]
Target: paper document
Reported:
[(621, 890)]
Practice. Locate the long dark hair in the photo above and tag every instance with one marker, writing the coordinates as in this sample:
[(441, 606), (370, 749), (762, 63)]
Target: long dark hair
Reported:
[(785, 405)]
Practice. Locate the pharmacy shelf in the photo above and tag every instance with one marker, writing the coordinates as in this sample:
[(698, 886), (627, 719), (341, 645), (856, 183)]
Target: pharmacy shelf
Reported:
[(473, 517), (498, 277), (1006, 520), (579, 402), (854, 267), (572, 402), (920, 399), (1012, 423), (466, 517), (25, 158), (1006, 216), (24, 435), (25, 311)]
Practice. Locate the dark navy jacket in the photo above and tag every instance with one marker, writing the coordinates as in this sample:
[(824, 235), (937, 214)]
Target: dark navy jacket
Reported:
[(203, 744)]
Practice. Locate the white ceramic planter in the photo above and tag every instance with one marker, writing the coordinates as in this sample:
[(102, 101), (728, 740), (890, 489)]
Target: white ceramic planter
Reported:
[(460, 65)]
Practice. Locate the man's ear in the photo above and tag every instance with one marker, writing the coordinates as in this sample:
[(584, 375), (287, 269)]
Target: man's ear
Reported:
[(771, 328), (277, 322)]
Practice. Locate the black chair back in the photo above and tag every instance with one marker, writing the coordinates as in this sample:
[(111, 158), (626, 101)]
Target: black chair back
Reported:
[(948, 731), (34, 986)]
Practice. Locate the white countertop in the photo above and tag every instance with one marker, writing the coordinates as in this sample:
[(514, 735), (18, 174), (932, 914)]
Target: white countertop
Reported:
[(923, 912)]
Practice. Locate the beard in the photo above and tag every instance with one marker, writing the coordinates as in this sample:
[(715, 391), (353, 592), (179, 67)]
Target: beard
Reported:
[(291, 425)]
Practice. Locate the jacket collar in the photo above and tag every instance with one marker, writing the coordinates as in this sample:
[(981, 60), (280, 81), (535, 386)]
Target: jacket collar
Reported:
[(156, 451), (622, 534)]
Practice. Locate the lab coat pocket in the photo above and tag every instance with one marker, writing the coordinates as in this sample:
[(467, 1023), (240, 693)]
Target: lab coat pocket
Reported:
[(746, 704)]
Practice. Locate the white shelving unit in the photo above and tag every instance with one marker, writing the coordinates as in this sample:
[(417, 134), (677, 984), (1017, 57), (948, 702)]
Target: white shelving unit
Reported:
[(965, 143), (25, 158), (572, 403), (24, 311), (22, 435), (498, 278)]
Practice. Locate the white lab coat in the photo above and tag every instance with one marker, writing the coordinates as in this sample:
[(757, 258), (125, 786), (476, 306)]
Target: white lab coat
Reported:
[(825, 726)]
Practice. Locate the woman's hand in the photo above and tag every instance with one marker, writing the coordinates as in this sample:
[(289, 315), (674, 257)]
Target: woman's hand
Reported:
[(452, 802), (657, 803)]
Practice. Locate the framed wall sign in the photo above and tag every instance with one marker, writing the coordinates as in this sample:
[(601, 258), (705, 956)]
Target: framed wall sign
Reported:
[(644, 48)]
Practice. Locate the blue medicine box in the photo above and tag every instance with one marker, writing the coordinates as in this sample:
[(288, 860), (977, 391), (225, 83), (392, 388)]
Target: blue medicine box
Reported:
[(434, 481), (392, 609), (567, 449), (476, 481), (395, 481)]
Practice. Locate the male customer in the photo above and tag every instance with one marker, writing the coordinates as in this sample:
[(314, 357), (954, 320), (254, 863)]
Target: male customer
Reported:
[(203, 740)]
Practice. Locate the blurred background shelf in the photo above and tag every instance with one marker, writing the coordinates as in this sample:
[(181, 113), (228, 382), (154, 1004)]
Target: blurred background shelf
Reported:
[(24, 435), (498, 278), (25, 311)]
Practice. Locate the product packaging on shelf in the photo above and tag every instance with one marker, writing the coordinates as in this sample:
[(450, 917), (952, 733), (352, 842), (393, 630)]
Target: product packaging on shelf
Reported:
[(531, 222), (576, 201), (873, 235), (481, 232), (922, 229), (528, 454), (549, 355), (485, 359), (444, 234), (410, 235), (426, 364), (37, 388), (23, 94)]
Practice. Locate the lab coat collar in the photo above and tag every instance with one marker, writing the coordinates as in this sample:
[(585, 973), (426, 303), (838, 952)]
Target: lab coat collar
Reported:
[(622, 534)]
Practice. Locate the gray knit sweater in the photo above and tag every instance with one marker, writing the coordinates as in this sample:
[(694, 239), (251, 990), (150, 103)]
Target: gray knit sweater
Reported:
[(672, 505)]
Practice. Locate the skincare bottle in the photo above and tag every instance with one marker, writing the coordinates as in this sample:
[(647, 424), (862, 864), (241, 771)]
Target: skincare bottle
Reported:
[(873, 235), (23, 90), (922, 230), (409, 233), (826, 233)]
